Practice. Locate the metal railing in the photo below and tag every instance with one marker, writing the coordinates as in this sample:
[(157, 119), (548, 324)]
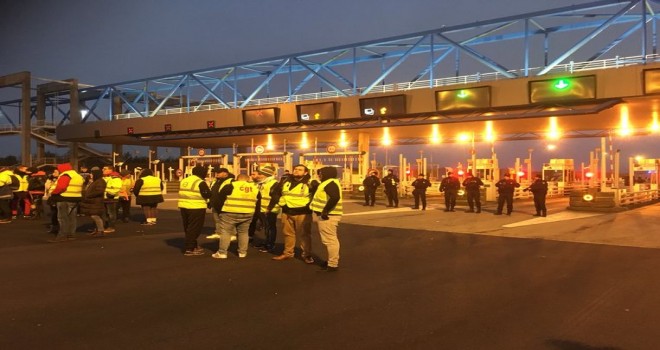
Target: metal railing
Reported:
[(639, 197), (570, 67)]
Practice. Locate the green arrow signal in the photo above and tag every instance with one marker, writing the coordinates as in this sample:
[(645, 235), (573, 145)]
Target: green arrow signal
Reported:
[(561, 84), (462, 94)]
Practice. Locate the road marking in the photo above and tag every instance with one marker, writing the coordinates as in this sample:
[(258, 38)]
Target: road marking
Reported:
[(387, 211), (561, 216)]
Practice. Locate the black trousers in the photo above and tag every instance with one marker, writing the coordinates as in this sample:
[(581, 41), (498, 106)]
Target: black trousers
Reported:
[(474, 198), (5, 209), (193, 222), (125, 206), (421, 195), (505, 198), (369, 196), (539, 203), (392, 196), (450, 200)]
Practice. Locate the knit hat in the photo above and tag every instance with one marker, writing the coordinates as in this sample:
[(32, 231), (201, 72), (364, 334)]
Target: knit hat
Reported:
[(267, 170)]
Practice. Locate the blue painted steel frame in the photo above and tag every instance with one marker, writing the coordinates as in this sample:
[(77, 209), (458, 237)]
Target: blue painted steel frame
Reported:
[(368, 64)]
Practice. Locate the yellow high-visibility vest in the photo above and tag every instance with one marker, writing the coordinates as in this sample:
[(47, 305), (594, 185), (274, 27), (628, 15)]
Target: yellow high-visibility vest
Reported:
[(297, 197), (321, 199), (74, 190), (265, 196), (150, 186), (243, 198), (113, 185), (189, 195)]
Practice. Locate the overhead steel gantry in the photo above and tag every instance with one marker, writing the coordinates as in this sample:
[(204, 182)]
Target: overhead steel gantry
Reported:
[(535, 44)]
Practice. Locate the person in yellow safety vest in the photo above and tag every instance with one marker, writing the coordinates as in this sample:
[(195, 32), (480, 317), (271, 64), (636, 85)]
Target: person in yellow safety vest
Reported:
[(148, 190), (267, 207), (193, 194), (125, 192), (222, 178), (236, 204), (328, 207), (21, 202), (296, 215), (67, 194), (6, 194), (113, 185)]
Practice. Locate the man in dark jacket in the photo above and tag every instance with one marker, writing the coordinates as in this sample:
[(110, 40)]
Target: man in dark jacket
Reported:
[(92, 202), (539, 189), (450, 186), (328, 208), (391, 183), (370, 184), (296, 215), (473, 186), (505, 189), (222, 178), (420, 185)]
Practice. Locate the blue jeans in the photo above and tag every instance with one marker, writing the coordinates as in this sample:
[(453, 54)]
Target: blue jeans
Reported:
[(234, 224), (66, 217)]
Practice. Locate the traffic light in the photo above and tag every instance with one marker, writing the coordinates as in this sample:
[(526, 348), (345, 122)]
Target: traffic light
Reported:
[(563, 89)]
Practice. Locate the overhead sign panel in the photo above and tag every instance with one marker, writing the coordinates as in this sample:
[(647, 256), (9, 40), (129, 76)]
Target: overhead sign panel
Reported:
[(261, 116), (651, 81), (563, 89), (317, 112), (447, 100), (385, 106)]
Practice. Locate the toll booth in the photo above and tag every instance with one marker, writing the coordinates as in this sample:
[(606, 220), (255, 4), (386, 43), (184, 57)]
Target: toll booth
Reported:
[(559, 173), (210, 161), (487, 169), (644, 174), (245, 163), (348, 166)]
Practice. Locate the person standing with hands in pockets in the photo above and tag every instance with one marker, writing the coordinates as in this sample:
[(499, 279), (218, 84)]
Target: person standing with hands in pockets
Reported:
[(328, 209)]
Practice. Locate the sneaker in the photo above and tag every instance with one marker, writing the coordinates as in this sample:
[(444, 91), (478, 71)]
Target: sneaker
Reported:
[(265, 249), (308, 259), (195, 252), (242, 255), (218, 255), (214, 236), (326, 268), (109, 230)]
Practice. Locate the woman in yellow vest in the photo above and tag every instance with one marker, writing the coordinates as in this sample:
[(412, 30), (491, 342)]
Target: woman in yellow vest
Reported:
[(148, 190), (193, 194), (236, 203), (125, 192), (328, 208)]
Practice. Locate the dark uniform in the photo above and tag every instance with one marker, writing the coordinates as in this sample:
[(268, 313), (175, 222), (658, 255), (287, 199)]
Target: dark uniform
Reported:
[(420, 184), (391, 183), (450, 186), (370, 184), (505, 188), (473, 190), (539, 189)]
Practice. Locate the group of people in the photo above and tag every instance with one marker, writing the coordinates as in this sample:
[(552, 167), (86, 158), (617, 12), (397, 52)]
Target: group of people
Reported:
[(21, 193), (240, 204), (450, 186)]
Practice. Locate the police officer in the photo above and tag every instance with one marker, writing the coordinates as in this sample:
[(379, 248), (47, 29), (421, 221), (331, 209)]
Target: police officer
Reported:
[(505, 188), (193, 193), (370, 184), (420, 184), (391, 183), (472, 186), (539, 189), (450, 186)]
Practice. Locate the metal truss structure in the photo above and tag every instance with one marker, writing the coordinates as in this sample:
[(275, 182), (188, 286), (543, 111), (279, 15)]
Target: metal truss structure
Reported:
[(597, 34)]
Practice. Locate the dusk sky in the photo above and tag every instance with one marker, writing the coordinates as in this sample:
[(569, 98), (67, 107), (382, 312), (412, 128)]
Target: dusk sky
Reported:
[(103, 42)]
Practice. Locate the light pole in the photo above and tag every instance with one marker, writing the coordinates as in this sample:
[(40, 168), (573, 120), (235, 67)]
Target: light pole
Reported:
[(529, 164), (114, 159)]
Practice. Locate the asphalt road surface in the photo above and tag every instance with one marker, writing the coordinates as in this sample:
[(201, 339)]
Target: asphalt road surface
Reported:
[(407, 280)]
